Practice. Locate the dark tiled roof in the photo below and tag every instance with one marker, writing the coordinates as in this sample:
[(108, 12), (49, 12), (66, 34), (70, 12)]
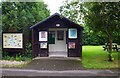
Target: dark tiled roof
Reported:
[(56, 15)]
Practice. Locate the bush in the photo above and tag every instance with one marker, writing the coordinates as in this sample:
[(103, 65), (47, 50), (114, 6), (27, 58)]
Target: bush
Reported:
[(27, 55)]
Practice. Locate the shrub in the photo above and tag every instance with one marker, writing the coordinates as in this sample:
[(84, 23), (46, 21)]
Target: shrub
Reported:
[(27, 55)]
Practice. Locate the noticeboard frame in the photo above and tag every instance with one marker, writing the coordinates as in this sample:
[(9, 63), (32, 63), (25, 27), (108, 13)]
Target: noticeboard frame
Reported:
[(13, 49)]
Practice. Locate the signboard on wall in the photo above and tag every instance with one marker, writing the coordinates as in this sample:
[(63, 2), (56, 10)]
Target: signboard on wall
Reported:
[(43, 45), (71, 45), (13, 40), (42, 36), (72, 33)]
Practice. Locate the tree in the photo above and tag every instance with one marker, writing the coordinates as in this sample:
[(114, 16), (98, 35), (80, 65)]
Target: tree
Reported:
[(72, 10), (102, 18), (19, 16)]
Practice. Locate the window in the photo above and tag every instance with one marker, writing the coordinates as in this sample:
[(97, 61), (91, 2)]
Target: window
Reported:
[(60, 35)]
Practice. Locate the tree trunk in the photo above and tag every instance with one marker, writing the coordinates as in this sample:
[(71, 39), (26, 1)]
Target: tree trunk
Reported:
[(110, 50), (110, 47)]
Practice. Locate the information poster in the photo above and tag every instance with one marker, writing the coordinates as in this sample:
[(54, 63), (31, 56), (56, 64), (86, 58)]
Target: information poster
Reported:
[(72, 33), (43, 45), (12, 40), (71, 45), (43, 36)]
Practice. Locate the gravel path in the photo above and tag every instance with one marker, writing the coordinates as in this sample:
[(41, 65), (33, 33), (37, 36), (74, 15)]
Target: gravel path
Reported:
[(6, 63)]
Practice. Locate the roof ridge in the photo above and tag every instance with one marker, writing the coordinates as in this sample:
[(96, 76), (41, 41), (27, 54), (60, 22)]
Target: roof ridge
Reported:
[(50, 17)]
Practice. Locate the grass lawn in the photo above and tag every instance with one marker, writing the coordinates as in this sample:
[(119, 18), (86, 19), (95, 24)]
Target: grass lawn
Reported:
[(96, 57)]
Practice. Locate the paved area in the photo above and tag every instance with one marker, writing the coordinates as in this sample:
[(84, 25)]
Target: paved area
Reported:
[(56, 64), (57, 68), (60, 77), (26, 72), (58, 54)]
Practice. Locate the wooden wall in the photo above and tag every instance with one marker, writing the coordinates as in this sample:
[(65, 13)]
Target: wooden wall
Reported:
[(37, 51)]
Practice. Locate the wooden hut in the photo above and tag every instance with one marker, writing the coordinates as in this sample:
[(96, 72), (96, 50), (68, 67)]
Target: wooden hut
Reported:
[(56, 36)]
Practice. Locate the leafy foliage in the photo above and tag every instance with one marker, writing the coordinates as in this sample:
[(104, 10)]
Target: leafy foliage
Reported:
[(75, 12), (102, 18), (0, 23), (72, 10), (19, 16), (27, 55), (98, 19)]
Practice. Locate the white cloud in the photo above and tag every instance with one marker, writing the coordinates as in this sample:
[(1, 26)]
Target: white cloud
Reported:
[(54, 5)]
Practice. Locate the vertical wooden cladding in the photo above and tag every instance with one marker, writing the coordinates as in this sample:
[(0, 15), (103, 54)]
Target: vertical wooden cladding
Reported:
[(78, 46), (43, 52), (36, 50), (35, 45), (80, 38), (51, 22)]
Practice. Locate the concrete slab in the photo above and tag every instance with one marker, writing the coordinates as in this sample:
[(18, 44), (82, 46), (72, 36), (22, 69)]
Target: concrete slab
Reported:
[(58, 64)]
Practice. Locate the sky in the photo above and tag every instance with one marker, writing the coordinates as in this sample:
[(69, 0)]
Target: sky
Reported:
[(54, 5)]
